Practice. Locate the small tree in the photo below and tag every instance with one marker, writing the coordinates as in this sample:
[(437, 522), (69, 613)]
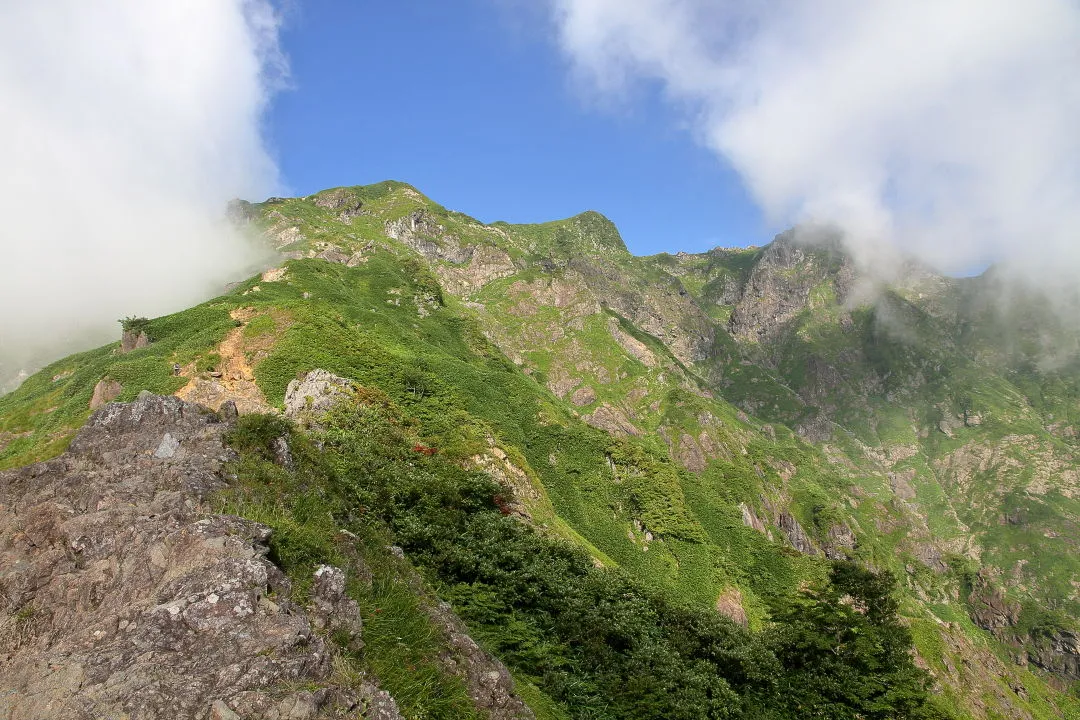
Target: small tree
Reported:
[(845, 653), (134, 325)]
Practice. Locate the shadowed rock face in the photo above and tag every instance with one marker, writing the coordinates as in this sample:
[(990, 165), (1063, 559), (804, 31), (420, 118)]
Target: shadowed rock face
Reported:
[(121, 596)]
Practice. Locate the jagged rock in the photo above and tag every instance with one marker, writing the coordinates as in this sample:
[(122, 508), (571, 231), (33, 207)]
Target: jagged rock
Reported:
[(990, 609), (1059, 653), (730, 605), (795, 534), (341, 200), (105, 391), (486, 263), (634, 347), (316, 392), (377, 704), (241, 212), (584, 395), (282, 453), (422, 233), (496, 463), (779, 286), (841, 540), (612, 420), (751, 520), (332, 608), (133, 340), (900, 482), (689, 453), (129, 599), (490, 686)]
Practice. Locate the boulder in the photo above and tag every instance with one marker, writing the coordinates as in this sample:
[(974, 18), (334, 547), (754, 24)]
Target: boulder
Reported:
[(105, 391)]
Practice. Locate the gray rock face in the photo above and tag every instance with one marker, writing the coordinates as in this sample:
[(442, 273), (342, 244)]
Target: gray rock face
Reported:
[(779, 287), (105, 391), (990, 609), (131, 340), (1059, 654), (121, 596), (795, 534), (423, 234), (840, 541), (309, 397), (343, 201)]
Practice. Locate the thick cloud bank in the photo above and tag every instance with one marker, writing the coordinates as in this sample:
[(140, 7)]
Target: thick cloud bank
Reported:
[(946, 127), (125, 127)]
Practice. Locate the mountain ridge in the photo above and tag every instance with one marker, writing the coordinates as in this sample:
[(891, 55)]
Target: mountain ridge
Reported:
[(750, 411)]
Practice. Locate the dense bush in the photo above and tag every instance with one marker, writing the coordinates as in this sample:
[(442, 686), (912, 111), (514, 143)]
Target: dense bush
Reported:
[(595, 640)]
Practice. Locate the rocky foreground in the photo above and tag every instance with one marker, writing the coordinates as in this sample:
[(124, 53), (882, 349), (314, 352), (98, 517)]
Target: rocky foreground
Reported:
[(126, 597)]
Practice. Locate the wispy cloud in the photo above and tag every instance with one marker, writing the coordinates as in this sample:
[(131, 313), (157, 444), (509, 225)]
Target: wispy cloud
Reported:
[(125, 127), (946, 127)]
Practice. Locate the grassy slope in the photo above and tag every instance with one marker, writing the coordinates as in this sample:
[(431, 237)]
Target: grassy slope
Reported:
[(460, 389)]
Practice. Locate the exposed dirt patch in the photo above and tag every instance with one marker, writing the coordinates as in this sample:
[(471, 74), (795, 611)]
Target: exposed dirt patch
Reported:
[(234, 376)]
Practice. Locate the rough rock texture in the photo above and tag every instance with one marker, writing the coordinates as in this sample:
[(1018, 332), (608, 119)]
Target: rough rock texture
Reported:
[(612, 420), (312, 395), (105, 391), (990, 609), (120, 596), (332, 608), (343, 201), (779, 288), (470, 266), (839, 542), (1059, 654), (730, 605), (795, 534), (496, 463), (422, 233), (131, 340)]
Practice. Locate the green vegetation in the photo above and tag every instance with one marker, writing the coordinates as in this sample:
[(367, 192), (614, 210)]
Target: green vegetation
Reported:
[(596, 642), (944, 423)]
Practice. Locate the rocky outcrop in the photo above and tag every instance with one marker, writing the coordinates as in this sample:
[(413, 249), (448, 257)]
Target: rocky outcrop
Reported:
[(470, 266), (420, 231), (488, 681), (730, 605), (780, 285), (121, 595), (342, 201), (241, 212), (839, 542), (105, 391), (496, 463), (486, 263), (990, 609), (310, 396), (795, 534), (133, 340), (1058, 653), (612, 420)]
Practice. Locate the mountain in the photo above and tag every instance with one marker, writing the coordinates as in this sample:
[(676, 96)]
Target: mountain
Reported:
[(553, 479)]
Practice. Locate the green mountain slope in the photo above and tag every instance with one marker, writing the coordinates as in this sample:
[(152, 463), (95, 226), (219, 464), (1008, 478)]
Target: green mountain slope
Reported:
[(715, 428)]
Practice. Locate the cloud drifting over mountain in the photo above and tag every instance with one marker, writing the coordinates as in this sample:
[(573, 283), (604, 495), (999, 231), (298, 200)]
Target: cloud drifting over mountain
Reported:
[(125, 127), (948, 128)]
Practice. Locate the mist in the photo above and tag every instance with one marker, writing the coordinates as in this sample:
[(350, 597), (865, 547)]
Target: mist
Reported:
[(125, 128), (946, 130)]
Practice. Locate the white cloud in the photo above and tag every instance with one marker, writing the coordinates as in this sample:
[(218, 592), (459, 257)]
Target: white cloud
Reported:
[(948, 127), (125, 127)]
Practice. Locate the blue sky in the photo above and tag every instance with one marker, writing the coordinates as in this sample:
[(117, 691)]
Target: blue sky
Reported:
[(473, 104)]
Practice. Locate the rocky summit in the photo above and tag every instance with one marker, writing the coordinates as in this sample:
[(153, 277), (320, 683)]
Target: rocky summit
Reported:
[(429, 467)]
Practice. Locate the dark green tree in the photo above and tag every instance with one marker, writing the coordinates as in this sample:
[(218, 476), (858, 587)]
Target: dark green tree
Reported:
[(845, 653)]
